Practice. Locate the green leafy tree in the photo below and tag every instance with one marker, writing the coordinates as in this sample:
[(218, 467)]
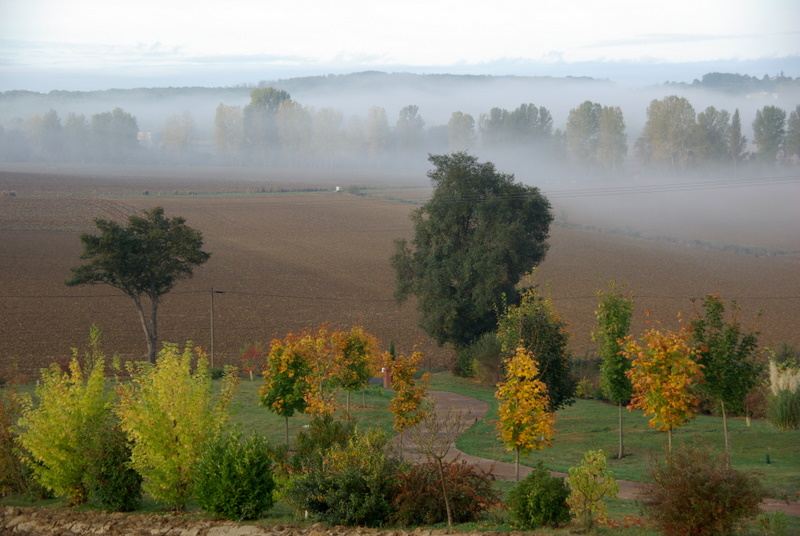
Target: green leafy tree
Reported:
[(589, 484), (583, 128), (525, 422), (737, 141), (793, 133), (535, 325), (144, 259), (114, 135), (712, 136), (730, 370), (667, 134), (473, 240), (613, 316), (169, 412), (58, 435), (769, 130)]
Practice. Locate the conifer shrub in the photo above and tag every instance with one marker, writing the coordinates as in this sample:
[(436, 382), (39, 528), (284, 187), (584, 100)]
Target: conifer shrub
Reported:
[(538, 500), (418, 497), (352, 486), (111, 481), (234, 477), (697, 493)]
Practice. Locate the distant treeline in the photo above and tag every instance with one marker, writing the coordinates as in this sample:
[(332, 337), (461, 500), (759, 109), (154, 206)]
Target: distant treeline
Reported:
[(274, 130)]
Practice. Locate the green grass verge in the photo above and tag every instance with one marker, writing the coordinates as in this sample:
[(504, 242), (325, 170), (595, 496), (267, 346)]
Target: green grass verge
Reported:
[(591, 425)]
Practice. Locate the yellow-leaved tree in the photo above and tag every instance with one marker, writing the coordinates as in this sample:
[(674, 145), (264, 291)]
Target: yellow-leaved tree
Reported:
[(169, 412), (407, 404), (664, 372), (526, 423)]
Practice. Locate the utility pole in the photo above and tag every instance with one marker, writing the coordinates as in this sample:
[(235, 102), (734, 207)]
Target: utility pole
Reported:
[(212, 323)]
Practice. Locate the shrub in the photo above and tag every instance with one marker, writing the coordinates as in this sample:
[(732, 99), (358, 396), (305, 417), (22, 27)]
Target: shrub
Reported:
[(418, 496), (538, 500), (697, 493), (111, 481), (234, 479), (57, 435), (354, 488), (170, 412)]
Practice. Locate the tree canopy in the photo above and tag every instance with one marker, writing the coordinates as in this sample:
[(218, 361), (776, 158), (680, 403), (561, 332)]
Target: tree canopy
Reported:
[(144, 259), (473, 241)]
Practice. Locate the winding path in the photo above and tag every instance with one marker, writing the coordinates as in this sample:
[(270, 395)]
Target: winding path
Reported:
[(476, 410)]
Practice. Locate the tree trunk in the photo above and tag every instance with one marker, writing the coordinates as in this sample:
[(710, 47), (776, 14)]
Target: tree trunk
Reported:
[(621, 453), (444, 494), (286, 430), (153, 347), (148, 332), (516, 465), (725, 432), (669, 439)]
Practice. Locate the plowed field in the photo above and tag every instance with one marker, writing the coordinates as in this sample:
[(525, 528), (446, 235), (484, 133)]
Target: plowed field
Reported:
[(286, 261)]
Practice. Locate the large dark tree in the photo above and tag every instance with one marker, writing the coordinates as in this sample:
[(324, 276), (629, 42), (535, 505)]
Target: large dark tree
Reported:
[(473, 241), (144, 259)]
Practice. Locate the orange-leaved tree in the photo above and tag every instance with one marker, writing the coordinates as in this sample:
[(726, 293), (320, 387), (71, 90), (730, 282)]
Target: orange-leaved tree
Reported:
[(286, 379), (526, 422), (406, 406), (356, 359), (664, 371)]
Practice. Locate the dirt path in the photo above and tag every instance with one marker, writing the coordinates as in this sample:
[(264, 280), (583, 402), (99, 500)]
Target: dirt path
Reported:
[(477, 409)]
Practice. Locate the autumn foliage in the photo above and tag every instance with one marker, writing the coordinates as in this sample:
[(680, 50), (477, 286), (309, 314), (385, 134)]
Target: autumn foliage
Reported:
[(406, 406), (526, 423), (664, 371)]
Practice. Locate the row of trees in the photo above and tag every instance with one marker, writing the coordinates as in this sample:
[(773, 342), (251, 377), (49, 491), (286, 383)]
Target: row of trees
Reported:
[(275, 130), (677, 138)]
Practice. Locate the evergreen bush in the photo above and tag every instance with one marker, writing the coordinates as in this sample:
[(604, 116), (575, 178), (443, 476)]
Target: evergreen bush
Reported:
[(539, 500), (111, 481), (234, 478)]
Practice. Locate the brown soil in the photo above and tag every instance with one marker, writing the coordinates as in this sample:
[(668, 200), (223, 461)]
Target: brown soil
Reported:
[(286, 261)]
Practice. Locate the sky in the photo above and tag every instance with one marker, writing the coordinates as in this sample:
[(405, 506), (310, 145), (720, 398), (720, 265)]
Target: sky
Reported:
[(98, 44)]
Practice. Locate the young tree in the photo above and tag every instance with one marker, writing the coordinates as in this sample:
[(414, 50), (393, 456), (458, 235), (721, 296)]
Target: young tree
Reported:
[(613, 315), (664, 373), (406, 406), (472, 242), (285, 379), (589, 484), (169, 412), (355, 353), (433, 438), (58, 435), (525, 419), (730, 370), (144, 259), (535, 326)]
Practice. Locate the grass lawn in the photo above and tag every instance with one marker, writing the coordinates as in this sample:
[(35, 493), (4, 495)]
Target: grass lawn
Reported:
[(591, 425)]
